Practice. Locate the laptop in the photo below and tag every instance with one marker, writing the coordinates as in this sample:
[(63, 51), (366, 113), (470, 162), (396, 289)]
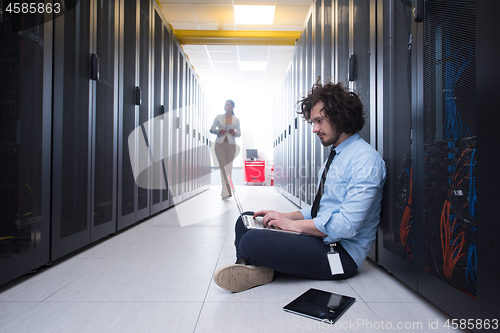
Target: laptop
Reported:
[(249, 221)]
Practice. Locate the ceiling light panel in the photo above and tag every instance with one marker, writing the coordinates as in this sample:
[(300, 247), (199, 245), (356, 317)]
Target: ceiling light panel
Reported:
[(295, 2), (253, 65), (211, 2), (253, 56), (291, 15), (256, 2), (254, 27), (244, 14), (213, 14), (198, 56), (178, 13), (194, 48), (222, 48), (224, 56), (226, 66), (216, 26)]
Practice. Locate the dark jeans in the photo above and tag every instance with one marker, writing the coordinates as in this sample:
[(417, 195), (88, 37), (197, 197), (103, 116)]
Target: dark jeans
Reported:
[(300, 255)]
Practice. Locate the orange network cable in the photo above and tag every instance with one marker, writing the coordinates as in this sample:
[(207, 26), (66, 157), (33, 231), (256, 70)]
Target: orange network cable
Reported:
[(404, 229), (451, 251)]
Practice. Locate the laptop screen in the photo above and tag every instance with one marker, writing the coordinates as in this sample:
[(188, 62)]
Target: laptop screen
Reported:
[(235, 195)]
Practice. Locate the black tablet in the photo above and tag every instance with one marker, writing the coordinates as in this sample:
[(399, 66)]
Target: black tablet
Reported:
[(320, 305)]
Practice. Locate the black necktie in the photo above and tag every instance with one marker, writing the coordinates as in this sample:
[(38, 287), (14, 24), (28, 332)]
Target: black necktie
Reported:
[(317, 199)]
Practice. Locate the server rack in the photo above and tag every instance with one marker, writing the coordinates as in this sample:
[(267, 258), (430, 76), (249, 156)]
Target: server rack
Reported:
[(130, 98), (450, 77), (173, 169), (158, 179), (183, 126), (316, 146), (67, 153), (424, 71), (144, 18), (297, 125), (326, 45), (167, 115), (361, 72), (104, 120), (85, 113), (72, 131), (25, 141), (309, 79), (341, 40), (325, 49), (189, 133), (396, 234), (434, 110)]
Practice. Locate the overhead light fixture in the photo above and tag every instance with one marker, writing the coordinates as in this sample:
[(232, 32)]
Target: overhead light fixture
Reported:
[(253, 65), (244, 14)]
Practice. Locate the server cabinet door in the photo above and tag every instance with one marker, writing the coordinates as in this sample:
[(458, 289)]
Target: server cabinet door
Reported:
[(134, 143), (327, 49), (341, 40), (158, 181), (318, 44), (167, 117), (296, 135), (327, 40), (183, 90), (449, 176), (309, 147), (144, 17), (188, 151), (396, 231), (105, 119), (361, 73), (25, 141), (362, 69), (71, 160), (128, 114), (174, 160), (196, 137)]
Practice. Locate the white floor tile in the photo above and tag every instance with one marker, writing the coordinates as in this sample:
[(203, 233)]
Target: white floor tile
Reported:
[(12, 310), (50, 280), (270, 317), (136, 281), (412, 317), (157, 277), (374, 284), (54, 317), (284, 289)]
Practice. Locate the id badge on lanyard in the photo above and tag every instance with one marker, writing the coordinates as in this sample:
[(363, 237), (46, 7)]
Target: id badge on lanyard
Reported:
[(334, 260)]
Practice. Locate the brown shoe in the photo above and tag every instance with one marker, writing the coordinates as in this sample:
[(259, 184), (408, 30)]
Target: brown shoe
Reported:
[(242, 261), (238, 278)]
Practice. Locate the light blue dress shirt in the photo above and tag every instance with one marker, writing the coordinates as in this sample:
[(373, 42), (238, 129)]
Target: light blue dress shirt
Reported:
[(349, 210)]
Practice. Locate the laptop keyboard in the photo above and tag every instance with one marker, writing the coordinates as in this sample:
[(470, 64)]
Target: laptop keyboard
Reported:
[(255, 221)]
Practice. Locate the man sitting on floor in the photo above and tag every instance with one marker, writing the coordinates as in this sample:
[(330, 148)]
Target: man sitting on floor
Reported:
[(336, 233)]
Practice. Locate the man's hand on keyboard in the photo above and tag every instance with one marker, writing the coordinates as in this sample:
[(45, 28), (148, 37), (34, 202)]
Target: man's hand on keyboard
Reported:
[(276, 219)]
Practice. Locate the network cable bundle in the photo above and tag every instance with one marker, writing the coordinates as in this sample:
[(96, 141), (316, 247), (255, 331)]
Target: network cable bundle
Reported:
[(403, 209), (450, 200), (450, 204)]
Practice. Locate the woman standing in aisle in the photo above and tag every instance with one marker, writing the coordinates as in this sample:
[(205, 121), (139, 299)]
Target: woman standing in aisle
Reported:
[(227, 127)]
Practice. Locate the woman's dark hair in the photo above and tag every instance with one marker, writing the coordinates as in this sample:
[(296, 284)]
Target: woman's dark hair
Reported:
[(342, 107), (232, 104)]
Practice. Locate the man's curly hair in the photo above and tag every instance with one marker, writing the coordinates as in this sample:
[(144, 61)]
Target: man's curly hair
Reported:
[(342, 107)]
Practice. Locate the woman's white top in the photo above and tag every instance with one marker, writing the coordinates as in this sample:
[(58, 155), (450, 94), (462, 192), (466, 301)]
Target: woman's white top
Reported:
[(220, 123)]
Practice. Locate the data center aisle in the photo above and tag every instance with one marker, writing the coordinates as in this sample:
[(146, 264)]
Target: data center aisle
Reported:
[(157, 277)]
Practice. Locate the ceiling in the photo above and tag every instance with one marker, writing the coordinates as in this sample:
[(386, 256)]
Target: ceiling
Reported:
[(219, 65)]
